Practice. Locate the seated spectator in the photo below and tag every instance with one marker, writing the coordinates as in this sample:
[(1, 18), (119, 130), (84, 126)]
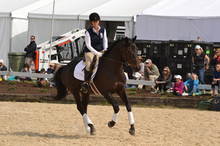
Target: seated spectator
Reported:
[(216, 78), (51, 69), (151, 71), (178, 86), (140, 74), (216, 57), (27, 70), (50, 81), (191, 85), (3, 68), (42, 81), (163, 81)]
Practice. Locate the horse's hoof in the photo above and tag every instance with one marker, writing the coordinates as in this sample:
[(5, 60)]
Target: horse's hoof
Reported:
[(111, 124), (93, 132), (92, 129), (132, 132)]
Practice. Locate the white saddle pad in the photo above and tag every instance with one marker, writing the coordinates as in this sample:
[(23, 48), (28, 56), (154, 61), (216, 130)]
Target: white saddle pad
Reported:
[(79, 71)]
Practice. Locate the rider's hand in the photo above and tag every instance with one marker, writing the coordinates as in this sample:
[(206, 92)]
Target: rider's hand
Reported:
[(99, 54)]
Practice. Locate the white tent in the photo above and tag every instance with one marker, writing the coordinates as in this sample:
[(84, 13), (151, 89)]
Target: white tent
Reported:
[(65, 18), (14, 24), (180, 20), (72, 14), (121, 10)]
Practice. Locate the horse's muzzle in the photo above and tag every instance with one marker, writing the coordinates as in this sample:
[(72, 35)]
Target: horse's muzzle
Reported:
[(136, 68)]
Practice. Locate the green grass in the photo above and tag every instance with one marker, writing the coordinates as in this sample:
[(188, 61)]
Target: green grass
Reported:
[(11, 83), (132, 93), (11, 88), (43, 90)]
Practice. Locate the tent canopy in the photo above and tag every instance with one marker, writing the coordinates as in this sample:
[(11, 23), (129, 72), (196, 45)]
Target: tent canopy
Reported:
[(72, 14), (119, 10), (180, 20), (14, 24)]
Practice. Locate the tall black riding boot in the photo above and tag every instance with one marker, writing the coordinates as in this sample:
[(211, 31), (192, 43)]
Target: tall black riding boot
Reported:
[(85, 85)]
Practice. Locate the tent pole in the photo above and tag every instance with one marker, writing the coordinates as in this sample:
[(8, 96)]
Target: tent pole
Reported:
[(51, 36)]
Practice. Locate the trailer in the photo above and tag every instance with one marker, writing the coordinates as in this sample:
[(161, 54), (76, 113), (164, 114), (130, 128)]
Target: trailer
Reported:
[(64, 49)]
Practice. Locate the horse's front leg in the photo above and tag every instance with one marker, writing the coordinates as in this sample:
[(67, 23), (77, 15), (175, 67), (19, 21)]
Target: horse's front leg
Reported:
[(82, 107), (87, 121), (124, 98), (112, 101)]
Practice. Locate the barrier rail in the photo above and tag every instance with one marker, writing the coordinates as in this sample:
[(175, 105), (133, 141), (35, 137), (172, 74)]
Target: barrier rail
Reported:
[(136, 82)]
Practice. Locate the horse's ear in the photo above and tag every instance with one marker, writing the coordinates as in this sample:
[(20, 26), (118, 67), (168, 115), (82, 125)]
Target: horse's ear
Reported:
[(126, 40), (134, 39)]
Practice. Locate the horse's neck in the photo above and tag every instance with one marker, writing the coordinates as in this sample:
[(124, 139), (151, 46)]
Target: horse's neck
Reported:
[(114, 59)]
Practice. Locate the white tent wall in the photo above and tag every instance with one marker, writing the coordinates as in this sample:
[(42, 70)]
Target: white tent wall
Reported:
[(5, 38), (41, 28), (19, 35), (14, 24), (167, 28), (180, 20)]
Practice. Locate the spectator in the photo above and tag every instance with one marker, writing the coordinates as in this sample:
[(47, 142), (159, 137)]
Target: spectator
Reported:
[(178, 86), (151, 71), (42, 81), (3, 68), (163, 81), (51, 69), (216, 78), (50, 81), (30, 49), (191, 85), (198, 61), (216, 57), (140, 75), (27, 70)]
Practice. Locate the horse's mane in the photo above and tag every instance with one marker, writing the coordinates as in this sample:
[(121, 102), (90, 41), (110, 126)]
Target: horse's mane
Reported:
[(112, 46)]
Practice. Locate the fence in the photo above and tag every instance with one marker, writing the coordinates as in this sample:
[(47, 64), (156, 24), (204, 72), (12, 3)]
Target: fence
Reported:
[(136, 82)]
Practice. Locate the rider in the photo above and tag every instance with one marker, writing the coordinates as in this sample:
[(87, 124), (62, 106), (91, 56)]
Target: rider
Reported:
[(96, 43)]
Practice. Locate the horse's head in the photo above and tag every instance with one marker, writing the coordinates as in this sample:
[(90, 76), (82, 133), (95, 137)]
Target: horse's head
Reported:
[(130, 54)]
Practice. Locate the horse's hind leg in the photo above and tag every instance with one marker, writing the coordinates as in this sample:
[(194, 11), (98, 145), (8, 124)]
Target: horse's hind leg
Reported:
[(82, 108), (124, 98)]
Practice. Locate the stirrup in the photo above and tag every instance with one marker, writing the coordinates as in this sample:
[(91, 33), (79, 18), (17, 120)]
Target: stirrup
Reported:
[(85, 87)]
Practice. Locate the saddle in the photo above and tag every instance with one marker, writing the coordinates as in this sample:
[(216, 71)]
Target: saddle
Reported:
[(79, 73)]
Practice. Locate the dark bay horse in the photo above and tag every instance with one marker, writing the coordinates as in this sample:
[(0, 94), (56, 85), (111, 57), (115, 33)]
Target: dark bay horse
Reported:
[(109, 79)]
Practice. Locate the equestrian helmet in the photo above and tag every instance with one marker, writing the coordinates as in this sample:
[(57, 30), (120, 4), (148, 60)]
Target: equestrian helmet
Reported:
[(94, 17)]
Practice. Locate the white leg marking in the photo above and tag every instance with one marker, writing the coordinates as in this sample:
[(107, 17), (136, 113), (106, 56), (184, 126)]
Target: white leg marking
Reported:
[(86, 122), (115, 117), (130, 118)]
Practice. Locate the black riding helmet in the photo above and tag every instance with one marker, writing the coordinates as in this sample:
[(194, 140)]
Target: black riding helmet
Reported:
[(94, 17)]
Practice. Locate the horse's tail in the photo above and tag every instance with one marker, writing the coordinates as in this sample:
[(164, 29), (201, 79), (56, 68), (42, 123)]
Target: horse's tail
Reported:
[(61, 88)]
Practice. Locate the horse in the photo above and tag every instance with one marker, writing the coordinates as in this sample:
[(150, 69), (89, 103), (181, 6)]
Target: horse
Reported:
[(109, 79)]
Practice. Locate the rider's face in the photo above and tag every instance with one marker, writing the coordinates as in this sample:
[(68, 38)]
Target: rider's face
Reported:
[(95, 24)]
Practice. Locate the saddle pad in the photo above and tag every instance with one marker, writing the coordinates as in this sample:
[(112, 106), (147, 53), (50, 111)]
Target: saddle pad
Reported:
[(79, 71)]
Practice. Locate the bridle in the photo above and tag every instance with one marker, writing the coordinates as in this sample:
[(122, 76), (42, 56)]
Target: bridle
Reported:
[(125, 63)]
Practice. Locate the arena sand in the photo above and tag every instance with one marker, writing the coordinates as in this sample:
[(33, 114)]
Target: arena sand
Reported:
[(43, 124)]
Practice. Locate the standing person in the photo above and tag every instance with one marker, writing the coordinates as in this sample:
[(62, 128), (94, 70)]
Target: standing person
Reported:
[(216, 79), (198, 61), (3, 68), (96, 44), (191, 85), (178, 86), (151, 71), (163, 81), (29, 56)]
